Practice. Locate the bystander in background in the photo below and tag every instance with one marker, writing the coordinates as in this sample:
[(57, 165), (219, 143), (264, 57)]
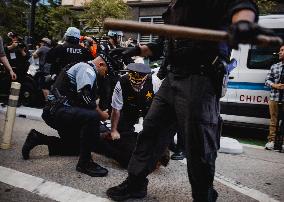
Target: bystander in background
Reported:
[(275, 80)]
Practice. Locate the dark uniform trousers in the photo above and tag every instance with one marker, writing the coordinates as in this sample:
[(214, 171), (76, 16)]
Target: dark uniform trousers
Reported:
[(192, 102), (78, 129)]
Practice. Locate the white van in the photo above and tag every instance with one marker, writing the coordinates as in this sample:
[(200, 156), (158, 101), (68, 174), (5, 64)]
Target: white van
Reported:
[(246, 100)]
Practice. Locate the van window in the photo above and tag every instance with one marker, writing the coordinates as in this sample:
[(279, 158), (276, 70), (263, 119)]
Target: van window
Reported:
[(263, 57)]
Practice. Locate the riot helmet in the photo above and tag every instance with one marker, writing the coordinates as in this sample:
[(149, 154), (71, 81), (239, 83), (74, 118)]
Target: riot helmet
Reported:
[(72, 35), (115, 34)]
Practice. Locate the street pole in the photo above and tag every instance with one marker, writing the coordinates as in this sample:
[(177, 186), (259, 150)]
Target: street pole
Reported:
[(32, 24)]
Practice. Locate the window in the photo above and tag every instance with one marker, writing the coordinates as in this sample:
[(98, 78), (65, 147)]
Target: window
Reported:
[(146, 38), (264, 57)]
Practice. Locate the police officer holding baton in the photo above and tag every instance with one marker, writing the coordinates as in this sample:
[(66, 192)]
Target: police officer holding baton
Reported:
[(190, 92)]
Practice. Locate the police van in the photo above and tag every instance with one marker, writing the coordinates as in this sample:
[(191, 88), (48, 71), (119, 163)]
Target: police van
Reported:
[(246, 100)]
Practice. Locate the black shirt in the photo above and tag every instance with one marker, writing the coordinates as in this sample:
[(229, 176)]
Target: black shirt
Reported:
[(208, 14), (67, 53)]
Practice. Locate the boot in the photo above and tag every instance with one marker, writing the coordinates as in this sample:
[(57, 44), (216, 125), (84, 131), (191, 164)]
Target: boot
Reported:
[(34, 138), (128, 189), (92, 169)]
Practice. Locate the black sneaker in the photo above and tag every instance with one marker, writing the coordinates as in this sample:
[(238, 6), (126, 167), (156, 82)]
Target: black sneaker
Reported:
[(92, 169), (31, 141), (178, 156), (126, 190)]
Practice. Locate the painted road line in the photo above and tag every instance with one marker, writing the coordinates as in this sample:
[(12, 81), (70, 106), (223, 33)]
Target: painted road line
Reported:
[(44, 188), (237, 186), (255, 194)]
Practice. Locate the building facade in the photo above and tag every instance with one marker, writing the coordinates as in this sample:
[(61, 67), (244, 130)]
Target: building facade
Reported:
[(148, 11)]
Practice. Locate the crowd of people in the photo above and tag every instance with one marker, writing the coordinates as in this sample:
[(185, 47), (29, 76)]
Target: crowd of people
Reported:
[(88, 84)]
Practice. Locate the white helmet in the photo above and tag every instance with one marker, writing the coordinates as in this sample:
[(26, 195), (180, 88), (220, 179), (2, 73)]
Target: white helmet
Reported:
[(113, 33), (73, 32)]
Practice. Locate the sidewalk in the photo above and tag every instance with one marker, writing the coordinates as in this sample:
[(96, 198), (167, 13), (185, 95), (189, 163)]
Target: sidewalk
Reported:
[(25, 112), (227, 145)]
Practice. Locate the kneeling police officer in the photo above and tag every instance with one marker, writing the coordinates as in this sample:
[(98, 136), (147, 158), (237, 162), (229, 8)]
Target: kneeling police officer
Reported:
[(74, 114)]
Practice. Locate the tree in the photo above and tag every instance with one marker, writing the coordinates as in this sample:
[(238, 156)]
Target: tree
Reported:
[(42, 22), (98, 10), (60, 18), (266, 6), (13, 17)]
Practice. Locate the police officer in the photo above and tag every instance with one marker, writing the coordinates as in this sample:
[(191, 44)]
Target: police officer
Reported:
[(113, 41), (75, 115), (189, 94), (108, 84), (132, 97), (68, 52)]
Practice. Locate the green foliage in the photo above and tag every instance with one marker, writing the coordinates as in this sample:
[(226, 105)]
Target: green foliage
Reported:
[(98, 10), (52, 20), (41, 22), (266, 6), (60, 18), (13, 17)]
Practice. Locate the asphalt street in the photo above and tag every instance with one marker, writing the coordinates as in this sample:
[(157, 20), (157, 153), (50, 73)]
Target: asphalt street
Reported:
[(254, 175)]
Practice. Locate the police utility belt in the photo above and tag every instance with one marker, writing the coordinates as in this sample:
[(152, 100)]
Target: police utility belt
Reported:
[(217, 69), (55, 102)]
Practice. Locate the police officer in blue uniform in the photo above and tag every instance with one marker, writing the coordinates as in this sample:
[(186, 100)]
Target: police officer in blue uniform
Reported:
[(189, 94), (74, 114)]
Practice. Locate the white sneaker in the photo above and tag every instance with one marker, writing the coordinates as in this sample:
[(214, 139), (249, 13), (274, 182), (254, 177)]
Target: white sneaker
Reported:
[(269, 146)]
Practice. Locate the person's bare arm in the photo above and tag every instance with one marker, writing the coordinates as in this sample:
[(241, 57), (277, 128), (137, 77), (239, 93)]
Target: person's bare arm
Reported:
[(35, 54), (278, 86), (8, 67), (115, 115)]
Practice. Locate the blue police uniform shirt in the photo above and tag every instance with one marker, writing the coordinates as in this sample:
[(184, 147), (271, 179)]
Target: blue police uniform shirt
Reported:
[(82, 74)]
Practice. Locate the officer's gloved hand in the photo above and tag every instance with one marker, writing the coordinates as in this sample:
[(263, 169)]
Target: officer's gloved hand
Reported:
[(245, 32), (125, 52)]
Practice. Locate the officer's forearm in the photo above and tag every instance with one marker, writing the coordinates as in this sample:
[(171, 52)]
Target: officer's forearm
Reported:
[(115, 115), (246, 14)]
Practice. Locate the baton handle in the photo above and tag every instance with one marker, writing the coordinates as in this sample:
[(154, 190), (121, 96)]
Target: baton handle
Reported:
[(181, 31)]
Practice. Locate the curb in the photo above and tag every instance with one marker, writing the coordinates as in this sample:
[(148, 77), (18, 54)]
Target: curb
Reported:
[(25, 112)]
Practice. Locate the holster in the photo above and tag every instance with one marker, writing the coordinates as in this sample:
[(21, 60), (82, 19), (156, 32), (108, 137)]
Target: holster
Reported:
[(220, 76), (49, 111)]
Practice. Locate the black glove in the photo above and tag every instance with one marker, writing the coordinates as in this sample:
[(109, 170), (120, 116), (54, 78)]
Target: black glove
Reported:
[(125, 52), (245, 32)]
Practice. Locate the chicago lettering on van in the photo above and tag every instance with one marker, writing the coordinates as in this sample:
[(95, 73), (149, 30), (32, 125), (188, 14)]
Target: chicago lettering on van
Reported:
[(74, 50), (253, 98)]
